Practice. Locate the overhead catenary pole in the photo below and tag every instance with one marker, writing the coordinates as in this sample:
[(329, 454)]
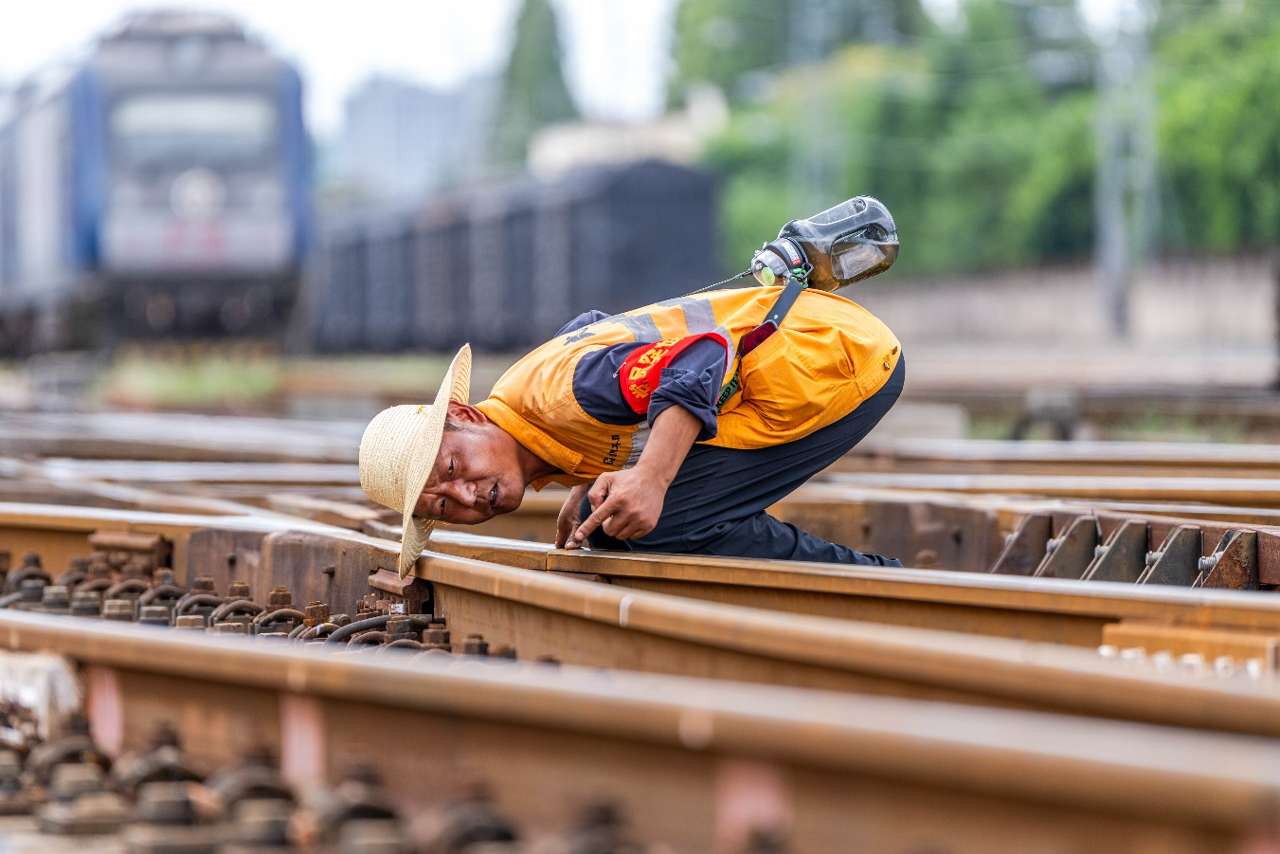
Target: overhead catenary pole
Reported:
[(810, 30), (1126, 160)]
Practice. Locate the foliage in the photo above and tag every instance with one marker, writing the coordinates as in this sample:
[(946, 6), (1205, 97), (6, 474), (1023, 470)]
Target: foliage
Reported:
[(986, 164), (1219, 133), (533, 89), (723, 42)]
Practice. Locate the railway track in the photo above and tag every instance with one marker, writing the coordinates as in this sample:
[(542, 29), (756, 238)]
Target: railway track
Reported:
[(1161, 621), (693, 765), (975, 456), (545, 614), (1091, 670)]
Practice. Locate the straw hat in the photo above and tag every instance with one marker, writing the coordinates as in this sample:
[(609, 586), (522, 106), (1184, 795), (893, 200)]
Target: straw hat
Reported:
[(398, 451)]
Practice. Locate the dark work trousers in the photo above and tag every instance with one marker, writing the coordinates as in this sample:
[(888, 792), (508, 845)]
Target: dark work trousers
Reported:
[(716, 504)]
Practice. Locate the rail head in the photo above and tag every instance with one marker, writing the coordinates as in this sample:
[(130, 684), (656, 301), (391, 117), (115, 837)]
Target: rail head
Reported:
[(1207, 778), (1198, 606)]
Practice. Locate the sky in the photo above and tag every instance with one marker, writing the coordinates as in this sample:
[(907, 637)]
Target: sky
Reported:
[(616, 61), (617, 51)]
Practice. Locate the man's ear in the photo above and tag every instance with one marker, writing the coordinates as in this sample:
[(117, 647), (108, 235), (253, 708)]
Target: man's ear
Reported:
[(465, 413)]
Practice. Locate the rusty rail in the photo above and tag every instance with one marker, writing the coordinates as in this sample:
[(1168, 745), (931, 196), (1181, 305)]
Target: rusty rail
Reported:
[(821, 769), (576, 621)]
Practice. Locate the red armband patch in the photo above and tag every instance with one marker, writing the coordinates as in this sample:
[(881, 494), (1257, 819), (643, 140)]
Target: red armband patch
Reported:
[(642, 369)]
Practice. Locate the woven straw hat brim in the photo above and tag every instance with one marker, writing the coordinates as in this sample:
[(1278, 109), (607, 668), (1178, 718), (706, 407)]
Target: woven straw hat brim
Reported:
[(420, 437)]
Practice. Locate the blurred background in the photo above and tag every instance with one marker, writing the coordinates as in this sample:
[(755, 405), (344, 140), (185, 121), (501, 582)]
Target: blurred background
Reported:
[(232, 207)]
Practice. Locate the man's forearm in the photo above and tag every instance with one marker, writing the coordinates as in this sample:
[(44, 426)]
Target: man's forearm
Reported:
[(672, 435), (628, 503)]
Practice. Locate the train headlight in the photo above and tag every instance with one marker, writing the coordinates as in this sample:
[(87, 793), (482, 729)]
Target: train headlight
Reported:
[(197, 194)]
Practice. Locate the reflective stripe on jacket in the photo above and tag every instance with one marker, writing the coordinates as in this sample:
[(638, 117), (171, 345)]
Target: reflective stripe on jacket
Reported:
[(829, 355)]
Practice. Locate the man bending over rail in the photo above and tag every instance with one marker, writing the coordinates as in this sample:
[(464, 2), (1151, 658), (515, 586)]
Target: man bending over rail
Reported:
[(670, 438)]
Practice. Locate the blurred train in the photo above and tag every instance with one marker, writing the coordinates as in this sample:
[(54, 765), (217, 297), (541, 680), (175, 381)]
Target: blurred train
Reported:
[(159, 186), (505, 266)]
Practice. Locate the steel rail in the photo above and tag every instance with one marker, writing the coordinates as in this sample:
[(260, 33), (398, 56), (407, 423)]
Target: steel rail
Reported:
[(696, 764), (1033, 450), (1180, 621), (582, 622), (1240, 491)]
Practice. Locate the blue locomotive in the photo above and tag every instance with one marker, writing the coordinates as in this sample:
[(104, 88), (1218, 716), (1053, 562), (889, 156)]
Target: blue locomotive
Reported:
[(161, 186)]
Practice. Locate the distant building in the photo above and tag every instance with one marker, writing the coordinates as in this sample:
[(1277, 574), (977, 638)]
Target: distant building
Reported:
[(400, 139), (675, 137)]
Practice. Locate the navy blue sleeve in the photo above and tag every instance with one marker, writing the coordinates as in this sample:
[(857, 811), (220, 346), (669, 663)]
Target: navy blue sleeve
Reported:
[(596, 388), (584, 319), (692, 381)]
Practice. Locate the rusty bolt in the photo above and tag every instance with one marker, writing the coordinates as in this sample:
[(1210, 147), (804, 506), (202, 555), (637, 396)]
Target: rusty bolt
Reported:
[(231, 628), (154, 615), (381, 834), (189, 621), (71, 780), (262, 823), (239, 590), (400, 627), (436, 637), (166, 804), (316, 613), (279, 597), (86, 603), (202, 584), (32, 589), (54, 597), (119, 609), (475, 645)]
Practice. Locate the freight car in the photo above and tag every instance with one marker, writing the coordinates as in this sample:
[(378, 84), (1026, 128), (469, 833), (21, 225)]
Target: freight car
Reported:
[(160, 185), (504, 266)]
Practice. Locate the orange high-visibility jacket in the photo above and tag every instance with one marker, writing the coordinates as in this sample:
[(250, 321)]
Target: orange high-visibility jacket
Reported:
[(829, 355)]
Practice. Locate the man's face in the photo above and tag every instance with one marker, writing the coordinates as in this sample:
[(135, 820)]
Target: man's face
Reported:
[(474, 479)]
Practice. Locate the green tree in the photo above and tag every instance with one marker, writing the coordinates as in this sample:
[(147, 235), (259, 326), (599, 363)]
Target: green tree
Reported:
[(988, 163), (1219, 132), (533, 89), (723, 42)]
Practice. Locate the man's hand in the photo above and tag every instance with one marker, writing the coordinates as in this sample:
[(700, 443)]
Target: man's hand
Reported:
[(625, 503), (569, 515), (628, 503)]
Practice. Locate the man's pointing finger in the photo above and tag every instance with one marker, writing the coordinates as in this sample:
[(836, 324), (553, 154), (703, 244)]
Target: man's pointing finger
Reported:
[(595, 520)]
